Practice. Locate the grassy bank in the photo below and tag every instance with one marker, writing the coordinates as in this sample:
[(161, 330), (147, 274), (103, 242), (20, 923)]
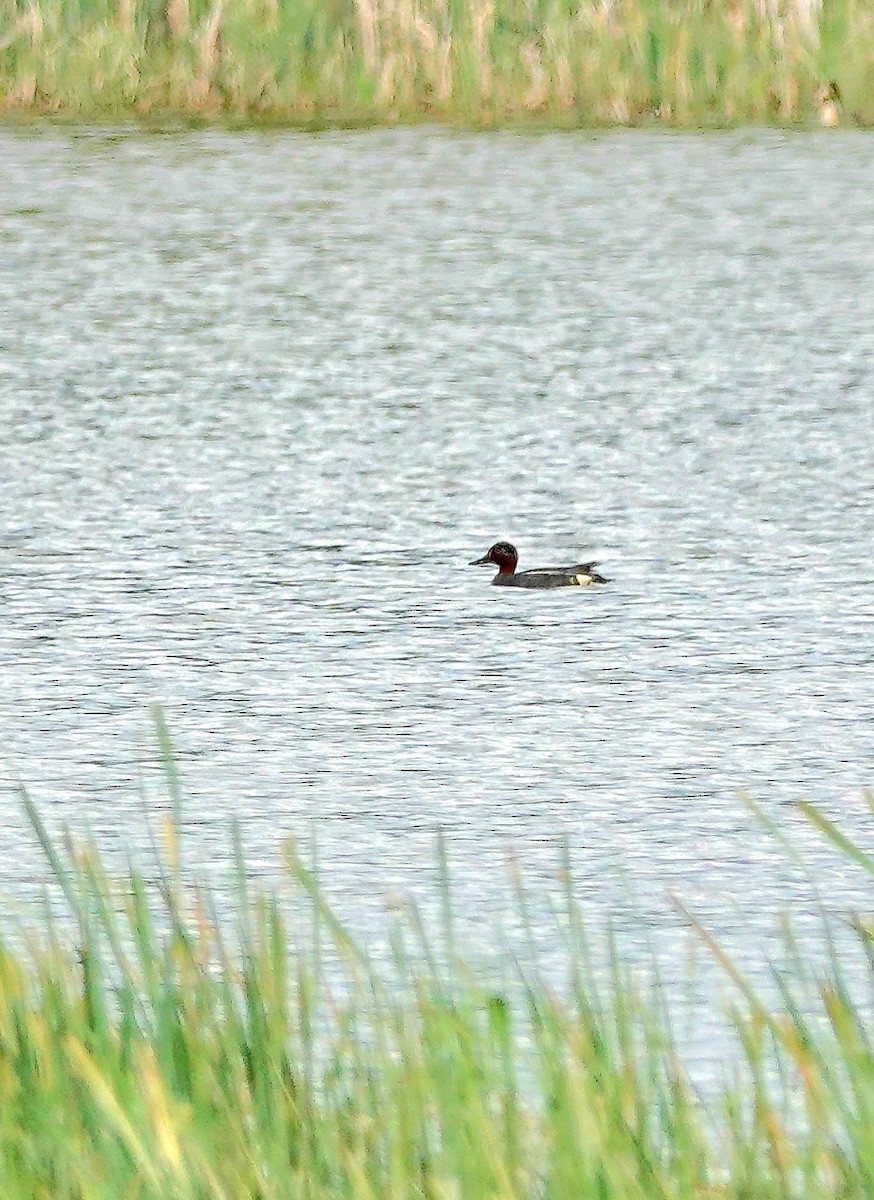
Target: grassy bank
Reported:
[(562, 62), (151, 1051)]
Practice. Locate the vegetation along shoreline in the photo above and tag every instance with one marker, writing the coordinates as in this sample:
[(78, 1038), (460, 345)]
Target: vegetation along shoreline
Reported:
[(553, 63), (151, 1048)]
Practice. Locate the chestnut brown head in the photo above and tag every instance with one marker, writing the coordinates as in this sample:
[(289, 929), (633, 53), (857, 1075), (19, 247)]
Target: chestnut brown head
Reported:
[(502, 554)]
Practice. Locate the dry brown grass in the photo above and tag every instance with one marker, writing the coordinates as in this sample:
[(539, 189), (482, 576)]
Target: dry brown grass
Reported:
[(563, 62)]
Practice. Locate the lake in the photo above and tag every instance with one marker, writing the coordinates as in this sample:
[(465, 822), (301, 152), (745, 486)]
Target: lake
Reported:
[(264, 395)]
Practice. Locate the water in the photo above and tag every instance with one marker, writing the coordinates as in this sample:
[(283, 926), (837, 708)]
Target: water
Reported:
[(265, 395)]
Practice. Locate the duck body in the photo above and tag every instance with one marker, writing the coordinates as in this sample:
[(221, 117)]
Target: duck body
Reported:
[(504, 557)]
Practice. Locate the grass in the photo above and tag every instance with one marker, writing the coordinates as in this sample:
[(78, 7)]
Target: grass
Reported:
[(480, 62), (152, 1050)]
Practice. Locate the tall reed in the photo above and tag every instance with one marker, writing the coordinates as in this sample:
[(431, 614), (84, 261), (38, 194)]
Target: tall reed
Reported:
[(151, 1048), (560, 62)]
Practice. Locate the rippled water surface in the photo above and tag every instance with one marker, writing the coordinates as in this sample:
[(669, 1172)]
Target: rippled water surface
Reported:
[(265, 395)]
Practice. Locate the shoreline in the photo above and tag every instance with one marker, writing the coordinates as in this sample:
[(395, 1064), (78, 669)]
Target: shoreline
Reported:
[(380, 63)]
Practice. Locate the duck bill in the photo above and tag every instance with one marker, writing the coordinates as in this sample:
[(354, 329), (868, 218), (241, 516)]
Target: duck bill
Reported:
[(480, 562)]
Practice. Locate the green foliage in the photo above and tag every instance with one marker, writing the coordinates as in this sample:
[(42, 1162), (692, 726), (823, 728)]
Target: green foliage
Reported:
[(150, 1050), (559, 62)]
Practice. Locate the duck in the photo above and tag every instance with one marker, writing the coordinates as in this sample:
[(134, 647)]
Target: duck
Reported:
[(827, 100), (504, 556)]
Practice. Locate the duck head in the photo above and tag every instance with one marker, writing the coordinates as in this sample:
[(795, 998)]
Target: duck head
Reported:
[(502, 555)]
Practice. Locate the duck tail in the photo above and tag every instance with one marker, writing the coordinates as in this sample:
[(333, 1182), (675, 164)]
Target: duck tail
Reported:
[(590, 569)]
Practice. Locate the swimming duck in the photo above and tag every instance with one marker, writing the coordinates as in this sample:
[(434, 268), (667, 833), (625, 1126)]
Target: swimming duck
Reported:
[(504, 557)]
